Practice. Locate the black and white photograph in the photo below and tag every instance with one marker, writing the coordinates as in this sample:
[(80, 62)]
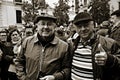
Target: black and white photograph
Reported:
[(59, 39)]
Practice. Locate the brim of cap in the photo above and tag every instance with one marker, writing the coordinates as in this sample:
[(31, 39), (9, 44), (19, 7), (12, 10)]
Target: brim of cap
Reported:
[(82, 20), (45, 18)]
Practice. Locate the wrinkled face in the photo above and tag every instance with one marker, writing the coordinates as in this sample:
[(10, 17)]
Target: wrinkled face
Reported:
[(113, 19), (85, 29), (15, 36), (46, 28), (28, 32), (3, 36)]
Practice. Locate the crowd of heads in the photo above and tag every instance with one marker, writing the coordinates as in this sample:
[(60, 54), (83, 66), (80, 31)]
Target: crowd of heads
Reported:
[(14, 33), (64, 32), (45, 27)]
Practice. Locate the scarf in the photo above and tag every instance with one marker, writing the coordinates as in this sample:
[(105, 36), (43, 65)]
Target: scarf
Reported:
[(45, 40)]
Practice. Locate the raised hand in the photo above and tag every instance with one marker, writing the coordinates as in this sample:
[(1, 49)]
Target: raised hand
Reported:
[(101, 57)]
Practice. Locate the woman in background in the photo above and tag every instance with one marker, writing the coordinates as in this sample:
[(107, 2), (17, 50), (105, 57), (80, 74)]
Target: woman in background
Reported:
[(15, 39)]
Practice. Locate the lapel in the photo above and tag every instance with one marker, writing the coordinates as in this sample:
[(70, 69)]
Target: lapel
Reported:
[(115, 28)]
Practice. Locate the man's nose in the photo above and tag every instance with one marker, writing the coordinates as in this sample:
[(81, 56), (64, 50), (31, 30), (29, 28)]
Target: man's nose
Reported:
[(15, 36), (46, 26), (82, 28)]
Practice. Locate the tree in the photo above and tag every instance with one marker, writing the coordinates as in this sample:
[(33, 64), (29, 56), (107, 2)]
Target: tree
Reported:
[(30, 9), (61, 11), (77, 6), (100, 10)]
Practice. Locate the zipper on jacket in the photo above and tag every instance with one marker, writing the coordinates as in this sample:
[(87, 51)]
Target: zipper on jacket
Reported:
[(42, 58), (43, 49)]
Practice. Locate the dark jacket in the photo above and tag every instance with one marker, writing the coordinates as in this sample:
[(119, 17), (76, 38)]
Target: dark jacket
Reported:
[(52, 59), (103, 32), (115, 33), (7, 58), (111, 70)]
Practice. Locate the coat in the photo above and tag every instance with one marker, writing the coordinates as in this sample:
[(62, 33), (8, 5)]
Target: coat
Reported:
[(7, 59), (52, 59), (115, 33), (111, 70)]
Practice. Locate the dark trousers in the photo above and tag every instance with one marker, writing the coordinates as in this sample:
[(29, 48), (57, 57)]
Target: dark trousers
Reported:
[(12, 76), (3, 75)]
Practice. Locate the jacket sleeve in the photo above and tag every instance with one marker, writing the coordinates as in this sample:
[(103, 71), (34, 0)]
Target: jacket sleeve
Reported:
[(7, 50), (113, 61), (20, 60), (64, 74)]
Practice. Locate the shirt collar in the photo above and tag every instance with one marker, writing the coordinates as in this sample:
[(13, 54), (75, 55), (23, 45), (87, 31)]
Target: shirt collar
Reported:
[(93, 35), (90, 41), (35, 38)]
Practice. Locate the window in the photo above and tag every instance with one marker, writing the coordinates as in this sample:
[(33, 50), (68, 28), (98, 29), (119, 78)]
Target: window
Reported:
[(42, 3), (119, 5), (18, 16), (18, 1), (85, 2)]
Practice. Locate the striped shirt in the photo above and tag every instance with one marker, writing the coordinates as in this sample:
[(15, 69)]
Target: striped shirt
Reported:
[(82, 64)]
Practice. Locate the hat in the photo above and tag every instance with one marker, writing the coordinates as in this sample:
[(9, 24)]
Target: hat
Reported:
[(12, 27), (83, 16), (105, 23), (3, 31), (117, 13), (44, 17)]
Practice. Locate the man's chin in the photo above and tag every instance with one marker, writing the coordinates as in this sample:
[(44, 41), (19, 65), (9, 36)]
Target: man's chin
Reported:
[(84, 36), (45, 35)]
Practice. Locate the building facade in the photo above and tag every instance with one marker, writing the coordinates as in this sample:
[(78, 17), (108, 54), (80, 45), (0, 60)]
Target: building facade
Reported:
[(10, 13), (82, 5), (114, 5)]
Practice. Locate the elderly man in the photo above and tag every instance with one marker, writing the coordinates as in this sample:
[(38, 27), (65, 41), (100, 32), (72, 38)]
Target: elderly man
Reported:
[(95, 57), (115, 30), (44, 56)]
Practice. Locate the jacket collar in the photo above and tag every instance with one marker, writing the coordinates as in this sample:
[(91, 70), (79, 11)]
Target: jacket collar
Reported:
[(54, 41), (90, 42), (115, 27), (117, 23)]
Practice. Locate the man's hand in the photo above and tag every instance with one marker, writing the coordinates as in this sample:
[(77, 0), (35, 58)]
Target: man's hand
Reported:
[(100, 58), (48, 77)]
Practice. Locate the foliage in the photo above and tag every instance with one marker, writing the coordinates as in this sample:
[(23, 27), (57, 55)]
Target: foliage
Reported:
[(30, 9), (100, 10), (77, 6), (61, 11)]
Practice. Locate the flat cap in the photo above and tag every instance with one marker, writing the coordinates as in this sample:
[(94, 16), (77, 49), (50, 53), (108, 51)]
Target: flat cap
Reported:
[(83, 16), (44, 17), (117, 13)]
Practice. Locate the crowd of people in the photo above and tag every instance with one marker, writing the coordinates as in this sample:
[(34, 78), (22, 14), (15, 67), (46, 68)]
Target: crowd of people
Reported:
[(48, 52)]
